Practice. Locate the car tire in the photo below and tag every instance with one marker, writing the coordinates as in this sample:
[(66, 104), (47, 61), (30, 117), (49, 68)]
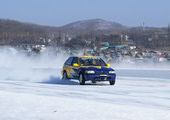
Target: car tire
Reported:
[(81, 79), (93, 81), (112, 82), (65, 76)]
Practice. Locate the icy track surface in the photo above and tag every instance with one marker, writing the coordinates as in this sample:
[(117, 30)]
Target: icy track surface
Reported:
[(40, 94)]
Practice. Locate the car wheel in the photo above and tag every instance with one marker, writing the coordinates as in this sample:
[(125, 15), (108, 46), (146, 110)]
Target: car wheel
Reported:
[(112, 82), (81, 79), (64, 76), (93, 81)]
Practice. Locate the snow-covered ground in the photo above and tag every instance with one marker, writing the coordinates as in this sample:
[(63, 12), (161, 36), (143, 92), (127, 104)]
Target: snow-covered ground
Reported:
[(31, 89), (42, 95)]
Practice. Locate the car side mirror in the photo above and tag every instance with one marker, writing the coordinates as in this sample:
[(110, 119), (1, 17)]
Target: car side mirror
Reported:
[(75, 65), (108, 65)]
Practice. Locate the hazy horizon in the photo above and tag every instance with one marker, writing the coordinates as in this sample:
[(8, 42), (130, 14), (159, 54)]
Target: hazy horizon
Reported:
[(57, 13)]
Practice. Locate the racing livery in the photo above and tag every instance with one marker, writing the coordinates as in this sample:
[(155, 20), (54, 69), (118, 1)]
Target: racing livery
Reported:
[(85, 68)]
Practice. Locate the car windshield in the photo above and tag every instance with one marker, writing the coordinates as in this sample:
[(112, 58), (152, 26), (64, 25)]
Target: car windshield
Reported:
[(92, 62)]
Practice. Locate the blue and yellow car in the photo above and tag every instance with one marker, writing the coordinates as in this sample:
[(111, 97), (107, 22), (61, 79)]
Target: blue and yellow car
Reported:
[(88, 68)]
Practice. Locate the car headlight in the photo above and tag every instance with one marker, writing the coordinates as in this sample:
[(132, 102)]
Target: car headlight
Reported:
[(112, 72), (90, 72)]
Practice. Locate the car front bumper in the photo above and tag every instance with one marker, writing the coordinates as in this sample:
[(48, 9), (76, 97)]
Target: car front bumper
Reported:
[(94, 77)]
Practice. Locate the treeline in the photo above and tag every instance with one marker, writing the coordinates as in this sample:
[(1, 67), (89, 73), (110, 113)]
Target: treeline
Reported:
[(151, 38), (14, 33), (17, 33)]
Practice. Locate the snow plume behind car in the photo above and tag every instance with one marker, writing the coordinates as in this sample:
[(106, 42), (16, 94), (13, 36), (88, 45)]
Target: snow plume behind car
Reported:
[(17, 65)]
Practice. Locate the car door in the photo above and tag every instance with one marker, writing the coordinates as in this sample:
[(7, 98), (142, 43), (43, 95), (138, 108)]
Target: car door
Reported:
[(74, 69), (67, 67)]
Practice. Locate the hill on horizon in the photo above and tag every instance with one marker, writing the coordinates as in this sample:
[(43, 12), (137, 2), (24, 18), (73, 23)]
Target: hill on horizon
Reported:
[(94, 25)]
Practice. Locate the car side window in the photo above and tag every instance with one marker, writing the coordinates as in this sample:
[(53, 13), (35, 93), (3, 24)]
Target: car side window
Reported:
[(69, 61), (75, 60)]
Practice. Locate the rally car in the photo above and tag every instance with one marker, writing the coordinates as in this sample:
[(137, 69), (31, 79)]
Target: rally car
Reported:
[(88, 68)]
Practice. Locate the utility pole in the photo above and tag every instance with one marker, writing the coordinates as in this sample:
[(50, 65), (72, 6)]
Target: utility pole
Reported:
[(143, 26), (168, 35)]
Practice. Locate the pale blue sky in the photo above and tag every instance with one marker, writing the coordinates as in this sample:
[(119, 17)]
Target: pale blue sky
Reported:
[(60, 12)]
